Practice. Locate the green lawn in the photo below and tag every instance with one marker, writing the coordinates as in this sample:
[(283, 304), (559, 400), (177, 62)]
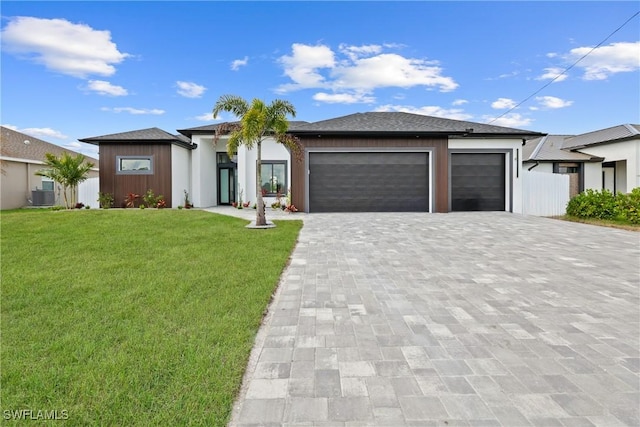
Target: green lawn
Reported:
[(133, 317), (625, 225)]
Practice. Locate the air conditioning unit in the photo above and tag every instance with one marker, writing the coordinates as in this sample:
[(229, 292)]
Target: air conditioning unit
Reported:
[(43, 198)]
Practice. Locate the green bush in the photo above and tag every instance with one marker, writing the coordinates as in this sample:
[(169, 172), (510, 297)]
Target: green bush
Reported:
[(592, 204), (605, 205), (628, 206)]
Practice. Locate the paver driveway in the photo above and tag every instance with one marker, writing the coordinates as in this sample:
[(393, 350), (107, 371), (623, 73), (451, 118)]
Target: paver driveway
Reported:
[(488, 319)]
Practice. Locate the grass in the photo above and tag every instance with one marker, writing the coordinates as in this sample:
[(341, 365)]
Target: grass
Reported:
[(624, 225), (133, 317)]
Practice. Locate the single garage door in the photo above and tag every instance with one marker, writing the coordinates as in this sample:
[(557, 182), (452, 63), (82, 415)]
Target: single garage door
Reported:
[(368, 182), (477, 182)]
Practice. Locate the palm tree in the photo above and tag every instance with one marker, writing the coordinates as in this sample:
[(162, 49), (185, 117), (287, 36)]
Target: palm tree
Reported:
[(68, 171), (258, 122)]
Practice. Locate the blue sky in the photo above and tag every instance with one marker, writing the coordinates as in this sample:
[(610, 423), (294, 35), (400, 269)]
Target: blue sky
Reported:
[(78, 69)]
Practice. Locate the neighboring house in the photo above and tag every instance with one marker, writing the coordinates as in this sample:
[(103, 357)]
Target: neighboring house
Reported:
[(619, 146), (545, 154), (382, 161), (607, 158), (142, 160), (22, 156)]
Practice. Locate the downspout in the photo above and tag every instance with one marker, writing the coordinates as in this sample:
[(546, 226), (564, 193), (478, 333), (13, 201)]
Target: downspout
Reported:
[(537, 163)]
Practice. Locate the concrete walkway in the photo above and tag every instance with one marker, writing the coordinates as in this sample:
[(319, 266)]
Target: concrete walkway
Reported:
[(460, 319)]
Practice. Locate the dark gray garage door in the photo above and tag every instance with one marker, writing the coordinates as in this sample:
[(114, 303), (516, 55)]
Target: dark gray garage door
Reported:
[(368, 182), (477, 182)]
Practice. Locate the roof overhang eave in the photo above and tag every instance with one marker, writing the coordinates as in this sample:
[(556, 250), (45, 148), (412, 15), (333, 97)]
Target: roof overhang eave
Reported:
[(184, 144)]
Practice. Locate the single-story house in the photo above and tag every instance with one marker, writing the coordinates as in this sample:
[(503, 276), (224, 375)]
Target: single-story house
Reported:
[(603, 159), (377, 161), (22, 156)]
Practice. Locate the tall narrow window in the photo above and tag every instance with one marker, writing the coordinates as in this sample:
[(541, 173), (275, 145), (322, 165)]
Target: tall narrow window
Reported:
[(273, 177)]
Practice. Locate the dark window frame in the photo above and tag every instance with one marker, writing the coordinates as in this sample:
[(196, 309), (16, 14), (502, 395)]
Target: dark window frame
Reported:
[(283, 188), (120, 171)]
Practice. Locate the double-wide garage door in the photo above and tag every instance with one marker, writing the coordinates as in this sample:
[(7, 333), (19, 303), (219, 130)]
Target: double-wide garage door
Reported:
[(396, 182), (369, 182)]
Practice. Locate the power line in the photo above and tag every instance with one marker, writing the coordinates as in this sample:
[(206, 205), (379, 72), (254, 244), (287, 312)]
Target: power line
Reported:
[(565, 70)]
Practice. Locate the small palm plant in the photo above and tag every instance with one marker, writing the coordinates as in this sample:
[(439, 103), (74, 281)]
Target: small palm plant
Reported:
[(68, 171)]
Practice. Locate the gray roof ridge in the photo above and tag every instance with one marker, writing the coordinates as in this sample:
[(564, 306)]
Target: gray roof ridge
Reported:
[(538, 147), (631, 129)]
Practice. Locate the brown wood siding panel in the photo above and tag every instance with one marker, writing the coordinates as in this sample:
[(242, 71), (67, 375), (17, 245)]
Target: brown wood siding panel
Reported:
[(121, 185), (440, 162)]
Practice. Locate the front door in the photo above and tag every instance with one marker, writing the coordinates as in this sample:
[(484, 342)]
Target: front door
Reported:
[(226, 185)]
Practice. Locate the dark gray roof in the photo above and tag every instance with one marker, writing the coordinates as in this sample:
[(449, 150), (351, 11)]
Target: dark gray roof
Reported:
[(12, 145), (549, 148), (403, 123), (603, 136), (150, 135), (210, 129)]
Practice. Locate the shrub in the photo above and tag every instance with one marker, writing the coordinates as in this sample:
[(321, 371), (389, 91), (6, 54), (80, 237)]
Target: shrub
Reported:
[(105, 200), (628, 206), (130, 201), (593, 204), (605, 205), (153, 201)]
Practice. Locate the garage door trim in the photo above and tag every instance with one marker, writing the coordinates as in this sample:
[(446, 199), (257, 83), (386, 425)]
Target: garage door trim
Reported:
[(508, 171), (428, 150)]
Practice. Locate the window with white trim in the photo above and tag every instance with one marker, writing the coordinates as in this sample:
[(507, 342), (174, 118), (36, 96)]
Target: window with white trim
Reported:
[(47, 184)]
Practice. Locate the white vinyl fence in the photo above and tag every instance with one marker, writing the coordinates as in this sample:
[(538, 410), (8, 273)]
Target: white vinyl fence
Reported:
[(88, 192), (544, 194)]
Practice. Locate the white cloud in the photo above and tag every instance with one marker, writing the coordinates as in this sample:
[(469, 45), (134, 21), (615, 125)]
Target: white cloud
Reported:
[(552, 102), (553, 73), (459, 102), (454, 113), (344, 98), (190, 89), (208, 117), (357, 69), (235, 65), (607, 60), (43, 133), (105, 88), (73, 145), (135, 111), (355, 52), (509, 120), (62, 46), (302, 66), (503, 104)]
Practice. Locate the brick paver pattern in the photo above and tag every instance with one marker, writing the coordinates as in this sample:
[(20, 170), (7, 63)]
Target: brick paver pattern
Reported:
[(460, 319)]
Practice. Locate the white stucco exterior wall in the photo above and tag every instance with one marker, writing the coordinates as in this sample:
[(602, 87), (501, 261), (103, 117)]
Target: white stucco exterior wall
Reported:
[(203, 172), (542, 167), (627, 174), (513, 184), (180, 174), (593, 175)]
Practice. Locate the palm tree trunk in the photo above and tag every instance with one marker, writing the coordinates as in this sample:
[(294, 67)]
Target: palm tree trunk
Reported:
[(64, 196), (261, 219)]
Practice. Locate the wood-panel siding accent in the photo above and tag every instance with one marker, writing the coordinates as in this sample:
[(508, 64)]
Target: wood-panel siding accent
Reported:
[(439, 147), (121, 185)]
